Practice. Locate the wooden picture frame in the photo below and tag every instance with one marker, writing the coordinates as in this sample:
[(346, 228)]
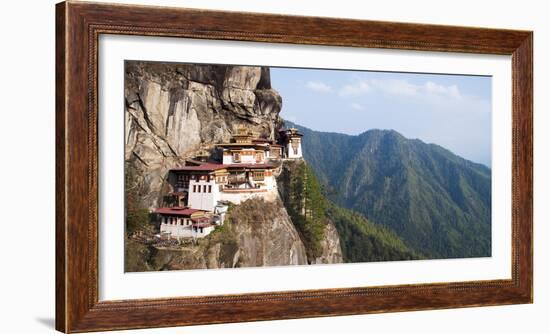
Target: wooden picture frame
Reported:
[(78, 26)]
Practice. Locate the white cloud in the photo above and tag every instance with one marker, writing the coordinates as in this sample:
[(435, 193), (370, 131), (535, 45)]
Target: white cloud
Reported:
[(318, 86), (358, 88), (451, 91), (356, 106), (399, 87)]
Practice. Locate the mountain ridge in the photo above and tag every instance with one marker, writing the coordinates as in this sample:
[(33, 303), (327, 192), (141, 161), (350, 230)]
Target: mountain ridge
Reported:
[(436, 201)]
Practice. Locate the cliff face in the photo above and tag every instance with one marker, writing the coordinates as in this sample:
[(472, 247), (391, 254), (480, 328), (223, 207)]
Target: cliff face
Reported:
[(265, 235), (173, 111), (257, 234), (330, 245)]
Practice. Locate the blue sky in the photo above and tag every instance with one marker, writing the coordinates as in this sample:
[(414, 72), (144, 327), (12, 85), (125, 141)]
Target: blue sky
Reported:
[(453, 111)]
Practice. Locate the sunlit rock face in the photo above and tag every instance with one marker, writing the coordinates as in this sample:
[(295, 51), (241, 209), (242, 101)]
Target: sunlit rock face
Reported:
[(175, 110)]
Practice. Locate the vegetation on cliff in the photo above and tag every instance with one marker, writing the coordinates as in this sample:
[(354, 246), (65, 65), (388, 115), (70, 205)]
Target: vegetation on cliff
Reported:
[(363, 241), (305, 203), (137, 215)]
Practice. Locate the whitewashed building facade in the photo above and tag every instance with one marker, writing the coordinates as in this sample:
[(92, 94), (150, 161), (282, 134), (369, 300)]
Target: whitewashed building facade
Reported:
[(292, 141), (184, 222)]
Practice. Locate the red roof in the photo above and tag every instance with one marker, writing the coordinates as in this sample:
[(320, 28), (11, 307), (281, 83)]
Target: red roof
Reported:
[(258, 145), (207, 167), (177, 211)]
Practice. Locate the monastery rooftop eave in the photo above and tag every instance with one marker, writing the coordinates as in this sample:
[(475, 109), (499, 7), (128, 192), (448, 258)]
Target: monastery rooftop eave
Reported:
[(208, 167), (262, 146), (251, 166), (177, 211), (291, 132)]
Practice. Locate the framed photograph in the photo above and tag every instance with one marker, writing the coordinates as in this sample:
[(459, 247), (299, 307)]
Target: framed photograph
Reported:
[(212, 169)]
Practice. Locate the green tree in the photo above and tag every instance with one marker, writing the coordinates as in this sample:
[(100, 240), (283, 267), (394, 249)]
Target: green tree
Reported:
[(306, 205)]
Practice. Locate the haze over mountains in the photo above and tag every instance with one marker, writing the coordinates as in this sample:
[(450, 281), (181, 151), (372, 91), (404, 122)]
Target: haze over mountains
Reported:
[(438, 203)]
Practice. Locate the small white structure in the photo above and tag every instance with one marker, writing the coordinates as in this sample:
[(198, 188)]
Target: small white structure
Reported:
[(220, 211), (292, 141), (184, 222)]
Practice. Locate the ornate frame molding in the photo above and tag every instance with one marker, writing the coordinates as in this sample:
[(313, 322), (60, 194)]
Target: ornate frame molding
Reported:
[(78, 27)]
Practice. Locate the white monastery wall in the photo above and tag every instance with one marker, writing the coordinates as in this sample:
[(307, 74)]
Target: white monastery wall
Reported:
[(185, 231), (238, 197), (203, 200), (290, 151)]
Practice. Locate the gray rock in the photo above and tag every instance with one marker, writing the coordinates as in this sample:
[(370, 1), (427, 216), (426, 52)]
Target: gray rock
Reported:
[(175, 110), (332, 252), (267, 237)]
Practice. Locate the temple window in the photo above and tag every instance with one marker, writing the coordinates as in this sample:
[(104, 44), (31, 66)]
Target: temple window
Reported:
[(258, 176)]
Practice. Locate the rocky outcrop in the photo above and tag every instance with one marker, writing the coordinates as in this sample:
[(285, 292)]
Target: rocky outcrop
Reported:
[(332, 252), (175, 110), (265, 235), (258, 233)]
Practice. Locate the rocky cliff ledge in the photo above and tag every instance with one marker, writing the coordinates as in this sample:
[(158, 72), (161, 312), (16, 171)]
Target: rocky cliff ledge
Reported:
[(175, 110), (330, 245), (257, 234)]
